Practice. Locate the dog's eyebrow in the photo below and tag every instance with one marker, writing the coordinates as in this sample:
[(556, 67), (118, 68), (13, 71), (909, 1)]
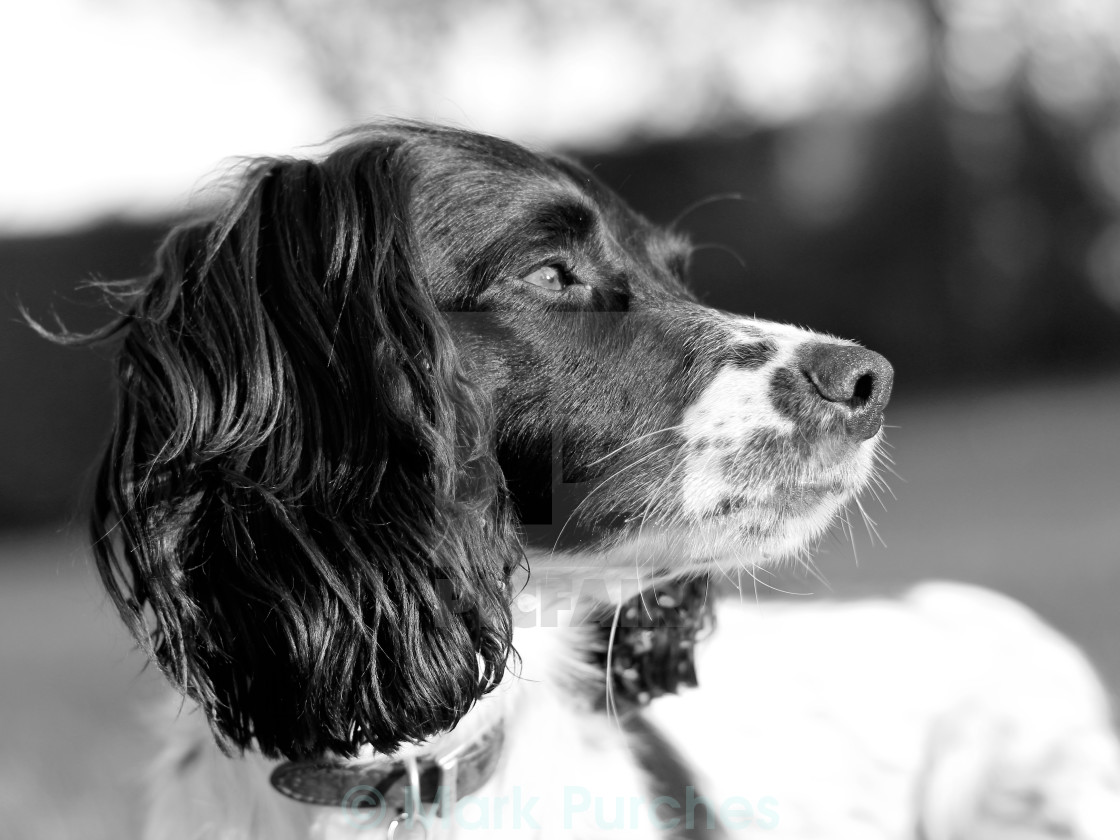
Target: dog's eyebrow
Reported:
[(567, 217)]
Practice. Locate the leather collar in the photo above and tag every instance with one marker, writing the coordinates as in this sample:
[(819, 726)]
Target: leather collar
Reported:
[(386, 784), (648, 647)]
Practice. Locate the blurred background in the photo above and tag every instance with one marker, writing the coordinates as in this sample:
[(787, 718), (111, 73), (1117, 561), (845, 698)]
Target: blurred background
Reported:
[(939, 179)]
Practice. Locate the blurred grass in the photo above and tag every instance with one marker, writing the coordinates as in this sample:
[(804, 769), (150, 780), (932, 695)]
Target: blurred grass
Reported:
[(1016, 488), (71, 690)]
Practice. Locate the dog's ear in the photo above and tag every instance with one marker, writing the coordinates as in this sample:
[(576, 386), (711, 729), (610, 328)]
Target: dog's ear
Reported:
[(299, 514)]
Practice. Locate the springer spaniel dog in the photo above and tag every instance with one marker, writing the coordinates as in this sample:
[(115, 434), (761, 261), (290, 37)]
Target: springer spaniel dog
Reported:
[(428, 483)]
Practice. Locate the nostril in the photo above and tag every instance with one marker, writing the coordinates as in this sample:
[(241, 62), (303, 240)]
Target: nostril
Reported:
[(863, 390)]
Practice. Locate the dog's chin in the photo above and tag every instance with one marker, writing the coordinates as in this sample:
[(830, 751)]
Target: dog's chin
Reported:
[(744, 527), (764, 525), (743, 536), (753, 535), (777, 531)]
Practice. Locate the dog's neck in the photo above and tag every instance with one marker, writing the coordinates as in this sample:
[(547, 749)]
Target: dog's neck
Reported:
[(616, 645), (640, 616), (647, 645)]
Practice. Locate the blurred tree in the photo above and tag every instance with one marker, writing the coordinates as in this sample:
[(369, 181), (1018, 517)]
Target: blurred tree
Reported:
[(591, 74), (1026, 95)]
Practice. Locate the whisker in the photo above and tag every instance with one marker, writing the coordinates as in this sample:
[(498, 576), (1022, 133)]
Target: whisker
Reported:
[(875, 495), (727, 249), (638, 439), (599, 487), (704, 202), (879, 482), (747, 569), (811, 566), (888, 467), (658, 494), (869, 523), (612, 707), (641, 590), (851, 533)]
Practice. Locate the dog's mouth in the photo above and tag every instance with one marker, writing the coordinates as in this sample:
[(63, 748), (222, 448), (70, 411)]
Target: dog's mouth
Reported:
[(764, 498), (776, 502), (783, 500), (787, 524), (745, 524)]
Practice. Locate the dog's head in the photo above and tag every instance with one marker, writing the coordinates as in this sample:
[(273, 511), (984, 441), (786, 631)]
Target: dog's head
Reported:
[(348, 401)]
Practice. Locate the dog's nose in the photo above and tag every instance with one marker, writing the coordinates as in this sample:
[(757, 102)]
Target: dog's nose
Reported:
[(857, 380)]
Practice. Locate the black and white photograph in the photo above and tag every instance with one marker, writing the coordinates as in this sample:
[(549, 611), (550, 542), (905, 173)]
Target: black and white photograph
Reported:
[(617, 420)]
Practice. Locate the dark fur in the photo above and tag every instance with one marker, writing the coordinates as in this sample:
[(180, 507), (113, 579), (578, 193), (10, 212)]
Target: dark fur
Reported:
[(300, 480), (333, 397)]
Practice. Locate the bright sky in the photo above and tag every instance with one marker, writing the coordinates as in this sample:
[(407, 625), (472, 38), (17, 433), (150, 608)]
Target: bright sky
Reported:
[(128, 106), (121, 106)]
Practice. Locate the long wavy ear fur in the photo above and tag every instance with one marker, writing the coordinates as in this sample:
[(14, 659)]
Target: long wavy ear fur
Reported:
[(299, 515)]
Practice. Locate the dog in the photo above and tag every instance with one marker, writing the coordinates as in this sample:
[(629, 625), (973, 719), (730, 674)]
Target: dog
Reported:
[(427, 482)]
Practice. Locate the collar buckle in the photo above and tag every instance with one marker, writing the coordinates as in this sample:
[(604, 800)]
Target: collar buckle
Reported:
[(416, 829)]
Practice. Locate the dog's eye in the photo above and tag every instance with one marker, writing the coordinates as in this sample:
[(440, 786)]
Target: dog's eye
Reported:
[(551, 278)]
